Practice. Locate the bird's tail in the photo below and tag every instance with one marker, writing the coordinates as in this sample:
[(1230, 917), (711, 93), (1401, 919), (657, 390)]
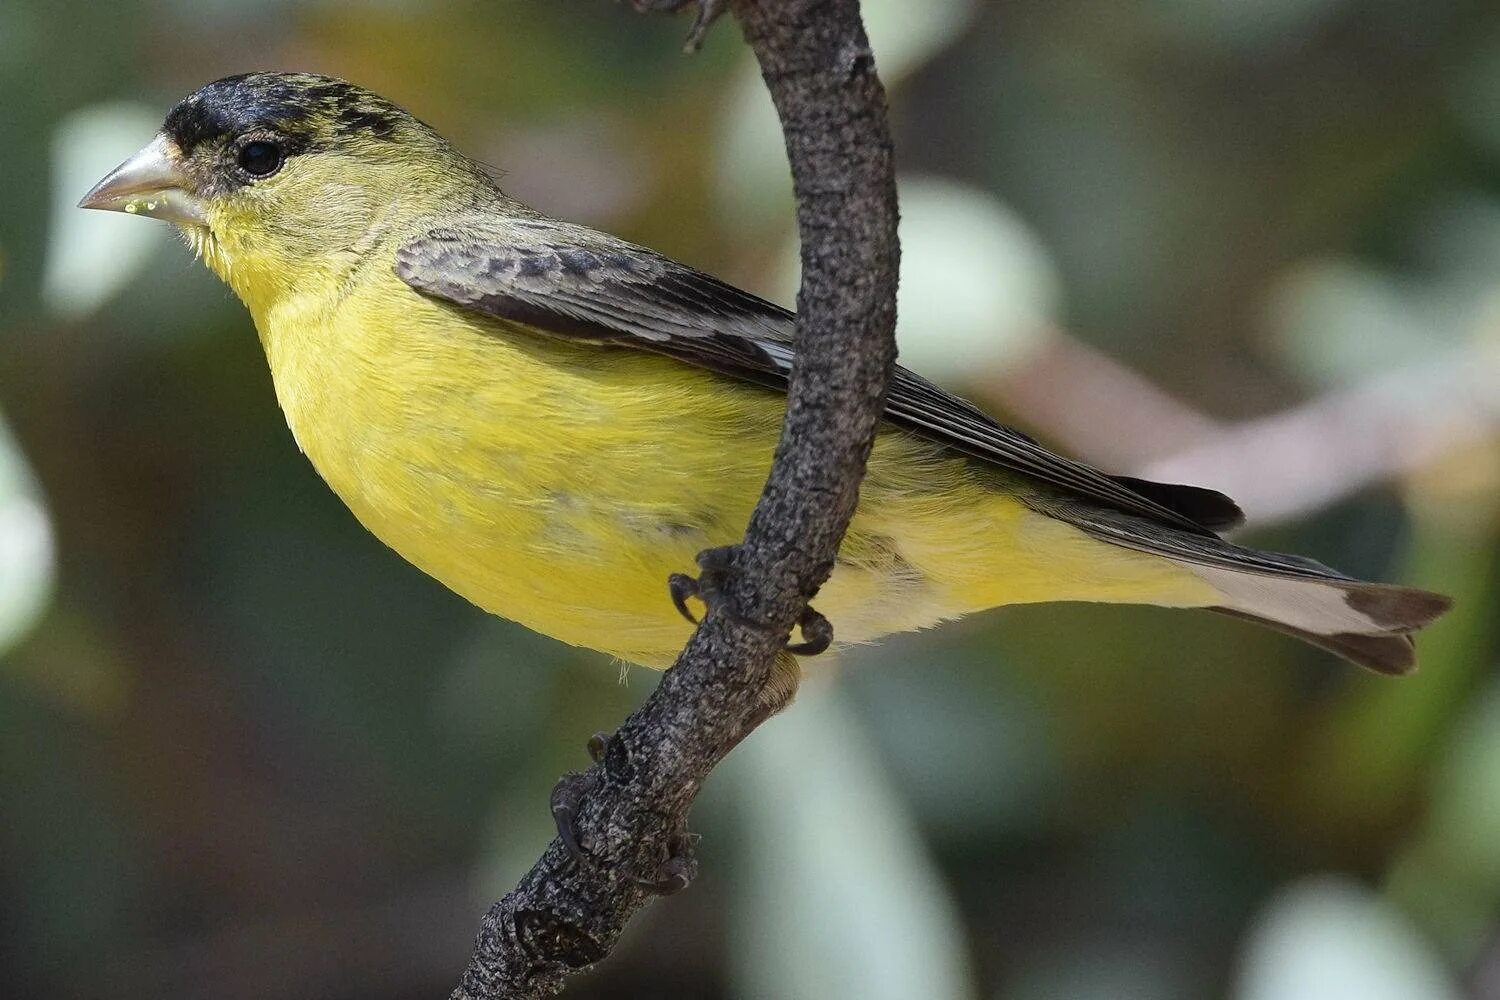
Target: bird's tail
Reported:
[(1366, 623)]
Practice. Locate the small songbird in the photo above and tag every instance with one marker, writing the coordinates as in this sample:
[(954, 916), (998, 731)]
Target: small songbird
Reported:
[(551, 421)]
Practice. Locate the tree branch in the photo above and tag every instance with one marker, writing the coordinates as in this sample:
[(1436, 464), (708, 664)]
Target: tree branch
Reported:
[(1279, 466), (632, 804)]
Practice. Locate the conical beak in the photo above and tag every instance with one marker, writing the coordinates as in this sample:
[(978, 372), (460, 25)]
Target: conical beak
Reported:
[(150, 184)]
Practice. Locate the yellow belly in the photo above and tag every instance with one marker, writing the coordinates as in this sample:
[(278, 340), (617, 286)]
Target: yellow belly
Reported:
[(559, 484)]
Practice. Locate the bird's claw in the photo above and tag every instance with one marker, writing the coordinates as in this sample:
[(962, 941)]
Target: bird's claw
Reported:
[(677, 872), (716, 565), (568, 795), (597, 745), (681, 587), (567, 798), (708, 13), (817, 633)]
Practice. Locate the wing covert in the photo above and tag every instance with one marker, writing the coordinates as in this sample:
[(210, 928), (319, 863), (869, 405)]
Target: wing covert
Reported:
[(573, 282)]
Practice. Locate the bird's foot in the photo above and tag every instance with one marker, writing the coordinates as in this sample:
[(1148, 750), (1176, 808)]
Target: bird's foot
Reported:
[(716, 566), (568, 794), (708, 13), (681, 587), (817, 633), (567, 798), (676, 873)]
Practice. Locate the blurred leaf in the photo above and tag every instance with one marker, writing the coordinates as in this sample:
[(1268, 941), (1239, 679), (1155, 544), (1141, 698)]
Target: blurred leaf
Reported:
[(752, 170), (1464, 818), (26, 546), (20, 29), (1244, 26), (978, 290), (1474, 94), (1339, 322), (1092, 970), (92, 255), (1329, 937), (1369, 751), (1450, 875), (836, 897), (904, 36), (973, 754), (1458, 239)]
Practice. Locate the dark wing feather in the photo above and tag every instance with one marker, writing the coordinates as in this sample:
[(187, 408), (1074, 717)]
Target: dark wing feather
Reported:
[(573, 282)]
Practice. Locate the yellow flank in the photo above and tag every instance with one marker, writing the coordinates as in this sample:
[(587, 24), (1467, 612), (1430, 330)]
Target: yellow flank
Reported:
[(558, 484)]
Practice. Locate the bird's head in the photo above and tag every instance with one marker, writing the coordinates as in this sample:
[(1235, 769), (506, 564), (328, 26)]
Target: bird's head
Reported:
[(278, 178)]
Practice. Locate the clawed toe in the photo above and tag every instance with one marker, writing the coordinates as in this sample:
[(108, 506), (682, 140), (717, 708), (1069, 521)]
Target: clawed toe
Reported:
[(568, 795), (567, 798), (681, 587), (677, 872), (817, 633), (716, 566), (597, 745)]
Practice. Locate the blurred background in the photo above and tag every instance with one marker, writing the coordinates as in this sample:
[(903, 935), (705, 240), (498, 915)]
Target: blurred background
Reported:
[(245, 751)]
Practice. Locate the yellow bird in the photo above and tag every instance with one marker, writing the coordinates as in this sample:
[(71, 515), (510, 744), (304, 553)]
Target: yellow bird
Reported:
[(550, 420)]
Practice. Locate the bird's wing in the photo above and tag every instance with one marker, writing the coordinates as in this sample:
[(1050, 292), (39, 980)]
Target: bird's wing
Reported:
[(572, 282)]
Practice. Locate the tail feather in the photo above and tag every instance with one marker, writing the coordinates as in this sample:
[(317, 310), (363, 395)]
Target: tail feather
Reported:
[(1366, 623), (1325, 607), (1393, 653)]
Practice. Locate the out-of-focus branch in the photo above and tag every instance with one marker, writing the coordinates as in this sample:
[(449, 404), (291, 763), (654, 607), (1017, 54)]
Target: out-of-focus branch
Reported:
[(631, 816), (1278, 467), (1293, 463), (1094, 406)]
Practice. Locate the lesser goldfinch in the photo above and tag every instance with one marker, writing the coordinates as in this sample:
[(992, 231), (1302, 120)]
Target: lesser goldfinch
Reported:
[(550, 420)]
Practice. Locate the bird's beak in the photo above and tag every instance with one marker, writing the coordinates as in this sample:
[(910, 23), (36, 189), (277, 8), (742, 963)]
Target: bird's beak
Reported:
[(150, 183)]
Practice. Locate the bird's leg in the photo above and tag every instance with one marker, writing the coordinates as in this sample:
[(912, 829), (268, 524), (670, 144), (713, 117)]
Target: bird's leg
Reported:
[(708, 13), (681, 587), (568, 795), (677, 871), (779, 690), (567, 798), (817, 633), (717, 565)]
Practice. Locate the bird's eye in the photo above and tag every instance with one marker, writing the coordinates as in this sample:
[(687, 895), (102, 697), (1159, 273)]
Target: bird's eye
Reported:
[(259, 158)]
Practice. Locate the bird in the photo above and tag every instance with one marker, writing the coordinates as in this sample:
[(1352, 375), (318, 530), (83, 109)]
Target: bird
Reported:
[(552, 421)]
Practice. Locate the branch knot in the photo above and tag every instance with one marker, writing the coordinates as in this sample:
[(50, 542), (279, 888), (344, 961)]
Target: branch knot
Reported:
[(549, 937), (857, 61)]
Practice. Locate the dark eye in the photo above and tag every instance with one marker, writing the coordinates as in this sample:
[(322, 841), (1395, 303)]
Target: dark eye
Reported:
[(259, 158)]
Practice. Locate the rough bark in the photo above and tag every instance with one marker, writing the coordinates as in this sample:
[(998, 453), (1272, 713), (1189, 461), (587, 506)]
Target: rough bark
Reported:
[(633, 803)]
